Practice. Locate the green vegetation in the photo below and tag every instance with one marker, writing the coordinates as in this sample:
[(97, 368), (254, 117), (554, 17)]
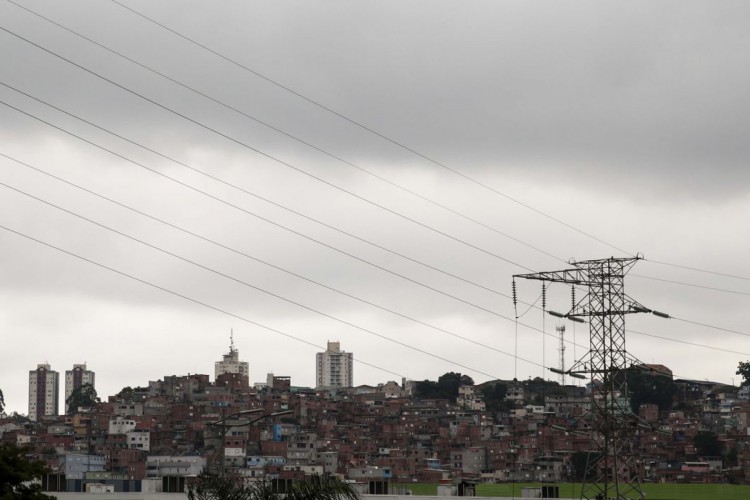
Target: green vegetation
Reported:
[(743, 369), (213, 487), (573, 490), (707, 444), (494, 396), (16, 472), (650, 387), (445, 388), (81, 397)]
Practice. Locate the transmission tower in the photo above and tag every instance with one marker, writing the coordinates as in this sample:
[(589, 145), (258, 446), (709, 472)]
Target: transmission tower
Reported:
[(612, 469)]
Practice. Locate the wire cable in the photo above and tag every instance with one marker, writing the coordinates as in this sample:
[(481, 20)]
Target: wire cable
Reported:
[(256, 259), (259, 217), (692, 285), (399, 144), (266, 155), (706, 271), (247, 284), (331, 247), (254, 194), (704, 346), (366, 128), (284, 133), (185, 297), (719, 328)]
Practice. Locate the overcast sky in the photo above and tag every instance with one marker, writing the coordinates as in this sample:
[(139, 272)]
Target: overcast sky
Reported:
[(369, 172)]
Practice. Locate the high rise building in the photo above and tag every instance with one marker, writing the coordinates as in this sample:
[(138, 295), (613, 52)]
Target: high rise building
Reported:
[(334, 367), (44, 392), (75, 378), (231, 362)]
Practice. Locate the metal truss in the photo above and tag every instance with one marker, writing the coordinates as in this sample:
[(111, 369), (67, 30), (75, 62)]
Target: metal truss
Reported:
[(612, 470)]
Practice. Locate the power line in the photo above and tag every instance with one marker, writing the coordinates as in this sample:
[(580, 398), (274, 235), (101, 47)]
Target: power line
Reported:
[(266, 155), (693, 285), (296, 212), (704, 346), (253, 194), (245, 283), (717, 273), (401, 145), (286, 134), (331, 247), (706, 271), (360, 125), (346, 162), (719, 328), (264, 219), (256, 259), (173, 255), (185, 297)]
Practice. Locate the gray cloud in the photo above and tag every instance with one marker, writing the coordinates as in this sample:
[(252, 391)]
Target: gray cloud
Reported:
[(626, 121)]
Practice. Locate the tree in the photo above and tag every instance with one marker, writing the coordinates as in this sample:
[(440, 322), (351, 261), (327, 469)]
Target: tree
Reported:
[(214, 487), (744, 369), (2, 402), (445, 388), (647, 387), (81, 397), (494, 396), (580, 461), (16, 472), (707, 444)]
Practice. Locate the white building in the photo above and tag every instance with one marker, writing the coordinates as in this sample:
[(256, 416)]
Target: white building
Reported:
[(44, 392), (159, 466), (139, 440), (231, 362), (76, 378), (120, 425), (334, 368)]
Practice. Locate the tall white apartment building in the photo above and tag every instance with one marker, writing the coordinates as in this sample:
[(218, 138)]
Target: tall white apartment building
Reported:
[(231, 362), (334, 367), (77, 377), (44, 392)]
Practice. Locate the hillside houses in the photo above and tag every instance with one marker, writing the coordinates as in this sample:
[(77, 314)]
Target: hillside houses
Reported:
[(178, 425)]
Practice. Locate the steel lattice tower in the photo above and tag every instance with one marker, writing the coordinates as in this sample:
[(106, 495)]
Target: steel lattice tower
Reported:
[(612, 471)]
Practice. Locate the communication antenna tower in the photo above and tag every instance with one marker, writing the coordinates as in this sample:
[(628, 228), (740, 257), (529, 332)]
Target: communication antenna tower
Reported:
[(612, 468), (561, 333)]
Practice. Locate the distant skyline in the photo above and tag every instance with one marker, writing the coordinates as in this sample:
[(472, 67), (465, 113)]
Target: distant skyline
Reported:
[(372, 173)]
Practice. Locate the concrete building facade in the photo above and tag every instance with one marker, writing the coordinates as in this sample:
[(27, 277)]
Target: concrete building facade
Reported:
[(231, 363), (334, 368), (76, 378), (44, 392)]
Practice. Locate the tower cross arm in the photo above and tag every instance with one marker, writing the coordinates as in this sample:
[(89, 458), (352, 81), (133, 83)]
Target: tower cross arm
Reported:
[(574, 276)]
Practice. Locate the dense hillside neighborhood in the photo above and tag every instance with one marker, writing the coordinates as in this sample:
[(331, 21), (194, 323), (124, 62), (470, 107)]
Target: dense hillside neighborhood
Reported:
[(157, 436)]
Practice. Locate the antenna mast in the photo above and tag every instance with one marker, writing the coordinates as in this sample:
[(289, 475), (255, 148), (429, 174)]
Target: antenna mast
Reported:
[(561, 332)]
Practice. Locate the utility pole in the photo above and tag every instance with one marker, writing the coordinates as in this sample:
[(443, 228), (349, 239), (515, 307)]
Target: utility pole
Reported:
[(612, 471)]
